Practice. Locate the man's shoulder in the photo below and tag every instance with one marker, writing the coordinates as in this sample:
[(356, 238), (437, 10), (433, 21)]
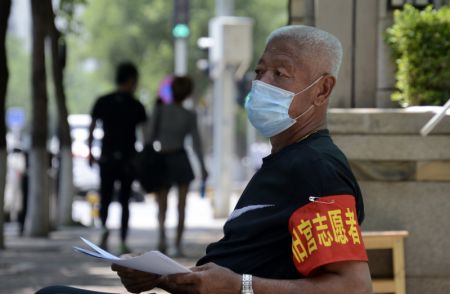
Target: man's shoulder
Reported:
[(137, 103), (104, 98), (318, 154)]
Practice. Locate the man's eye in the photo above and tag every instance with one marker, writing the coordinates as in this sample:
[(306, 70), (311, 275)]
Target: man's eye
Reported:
[(259, 73), (279, 74)]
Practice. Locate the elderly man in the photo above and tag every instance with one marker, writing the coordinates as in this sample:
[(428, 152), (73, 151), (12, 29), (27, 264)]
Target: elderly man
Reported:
[(295, 228)]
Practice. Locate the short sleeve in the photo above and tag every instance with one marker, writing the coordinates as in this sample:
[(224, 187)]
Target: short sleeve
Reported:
[(141, 114), (325, 231), (317, 176)]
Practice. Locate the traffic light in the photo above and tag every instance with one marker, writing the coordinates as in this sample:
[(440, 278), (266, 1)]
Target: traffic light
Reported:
[(181, 30), (181, 18)]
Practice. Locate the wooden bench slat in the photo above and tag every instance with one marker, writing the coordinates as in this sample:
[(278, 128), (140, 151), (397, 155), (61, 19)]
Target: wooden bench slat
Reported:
[(389, 240), (383, 286)]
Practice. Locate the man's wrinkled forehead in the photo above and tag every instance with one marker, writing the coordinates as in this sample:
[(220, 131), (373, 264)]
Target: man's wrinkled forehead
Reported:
[(281, 50)]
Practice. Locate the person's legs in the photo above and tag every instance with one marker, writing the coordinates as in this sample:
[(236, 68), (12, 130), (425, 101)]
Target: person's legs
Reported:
[(182, 194), (23, 212), (161, 196), (124, 198), (106, 192), (66, 290)]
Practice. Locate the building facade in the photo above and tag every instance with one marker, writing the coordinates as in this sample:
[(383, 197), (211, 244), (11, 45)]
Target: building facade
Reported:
[(367, 75)]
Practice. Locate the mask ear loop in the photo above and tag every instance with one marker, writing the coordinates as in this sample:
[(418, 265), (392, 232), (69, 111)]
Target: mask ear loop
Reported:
[(305, 112), (312, 84), (312, 105)]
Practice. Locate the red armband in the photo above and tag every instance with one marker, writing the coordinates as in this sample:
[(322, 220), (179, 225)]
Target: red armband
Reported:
[(326, 231)]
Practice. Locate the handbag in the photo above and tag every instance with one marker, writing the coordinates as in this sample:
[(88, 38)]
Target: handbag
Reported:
[(148, 164)]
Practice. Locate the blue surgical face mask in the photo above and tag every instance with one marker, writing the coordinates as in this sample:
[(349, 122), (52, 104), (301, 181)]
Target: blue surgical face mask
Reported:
[(267, 107)]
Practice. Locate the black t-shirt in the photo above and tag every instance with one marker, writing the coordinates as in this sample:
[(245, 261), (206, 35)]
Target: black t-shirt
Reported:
[(119, 113), (258, 235)]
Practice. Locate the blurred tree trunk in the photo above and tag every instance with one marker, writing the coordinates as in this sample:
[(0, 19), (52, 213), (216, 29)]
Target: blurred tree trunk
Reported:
[(5, 6), (37, 221), (65, 177)]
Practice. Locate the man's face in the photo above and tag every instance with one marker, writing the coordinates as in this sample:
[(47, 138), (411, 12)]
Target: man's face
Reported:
[(282, 66)]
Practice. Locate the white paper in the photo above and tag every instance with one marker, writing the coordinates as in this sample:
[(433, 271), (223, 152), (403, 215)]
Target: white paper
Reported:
[(150, 262)]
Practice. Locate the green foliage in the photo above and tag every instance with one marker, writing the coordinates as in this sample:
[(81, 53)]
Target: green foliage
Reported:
[(101, 33), (421, 44), (66, 15), (141, 31)]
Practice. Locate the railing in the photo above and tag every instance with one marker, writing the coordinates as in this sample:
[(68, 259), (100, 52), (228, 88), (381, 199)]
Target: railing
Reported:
[(429, 126)]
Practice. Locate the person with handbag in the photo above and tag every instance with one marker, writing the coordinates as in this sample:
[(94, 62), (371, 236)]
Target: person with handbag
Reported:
[(169, 127)]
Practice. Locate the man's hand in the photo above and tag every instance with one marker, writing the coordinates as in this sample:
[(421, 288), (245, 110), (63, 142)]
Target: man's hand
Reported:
[(206, 279), (136, 281)]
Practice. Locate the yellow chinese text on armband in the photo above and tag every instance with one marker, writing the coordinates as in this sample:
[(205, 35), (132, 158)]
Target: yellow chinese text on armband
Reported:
[(324, 232)]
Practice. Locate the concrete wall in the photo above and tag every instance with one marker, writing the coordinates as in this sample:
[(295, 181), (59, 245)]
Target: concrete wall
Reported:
[(336, 17), (371, 78), (405, 179)]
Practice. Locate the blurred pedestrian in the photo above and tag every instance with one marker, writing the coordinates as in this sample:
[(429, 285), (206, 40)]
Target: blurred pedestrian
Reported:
[(174, 123), (120, 114), (16, 167)]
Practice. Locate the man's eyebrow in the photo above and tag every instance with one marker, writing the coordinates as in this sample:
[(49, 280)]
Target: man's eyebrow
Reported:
[(280, 60), (284, 62)]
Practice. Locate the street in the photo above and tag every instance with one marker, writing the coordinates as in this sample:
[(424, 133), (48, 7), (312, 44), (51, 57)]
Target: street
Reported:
[(32, 263)]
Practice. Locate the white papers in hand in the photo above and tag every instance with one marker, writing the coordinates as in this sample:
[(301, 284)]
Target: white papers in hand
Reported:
[(151, 262)]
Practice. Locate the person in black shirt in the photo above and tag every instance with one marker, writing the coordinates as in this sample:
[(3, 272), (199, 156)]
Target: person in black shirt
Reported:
[(120, 113), (296, 227)]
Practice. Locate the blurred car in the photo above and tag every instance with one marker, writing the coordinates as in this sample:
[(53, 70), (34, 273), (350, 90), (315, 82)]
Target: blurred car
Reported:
[(85, 177)]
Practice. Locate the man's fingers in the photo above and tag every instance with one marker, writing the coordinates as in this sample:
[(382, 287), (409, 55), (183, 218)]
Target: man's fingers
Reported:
[(116, 267), (137, 275), (139, 285), (119, 269)]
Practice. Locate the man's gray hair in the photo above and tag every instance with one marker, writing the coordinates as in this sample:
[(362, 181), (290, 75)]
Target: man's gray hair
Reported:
[(321, 47)]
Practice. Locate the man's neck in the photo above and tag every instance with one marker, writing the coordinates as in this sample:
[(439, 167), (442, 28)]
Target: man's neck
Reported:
[(124, 89), (295, 134)]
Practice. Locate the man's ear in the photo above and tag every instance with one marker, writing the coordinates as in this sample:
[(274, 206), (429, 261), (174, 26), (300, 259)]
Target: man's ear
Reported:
[(324, 89)]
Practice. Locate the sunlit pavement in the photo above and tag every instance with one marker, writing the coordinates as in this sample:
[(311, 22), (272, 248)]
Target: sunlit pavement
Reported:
[(31, 263)]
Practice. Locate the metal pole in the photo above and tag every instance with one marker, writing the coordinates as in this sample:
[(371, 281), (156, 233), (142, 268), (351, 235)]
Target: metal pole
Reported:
[(224, 7), (223, 141), (223, 128), (181, 55)]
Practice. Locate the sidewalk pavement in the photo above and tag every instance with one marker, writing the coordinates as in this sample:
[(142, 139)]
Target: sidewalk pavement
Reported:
[(29, 264)]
